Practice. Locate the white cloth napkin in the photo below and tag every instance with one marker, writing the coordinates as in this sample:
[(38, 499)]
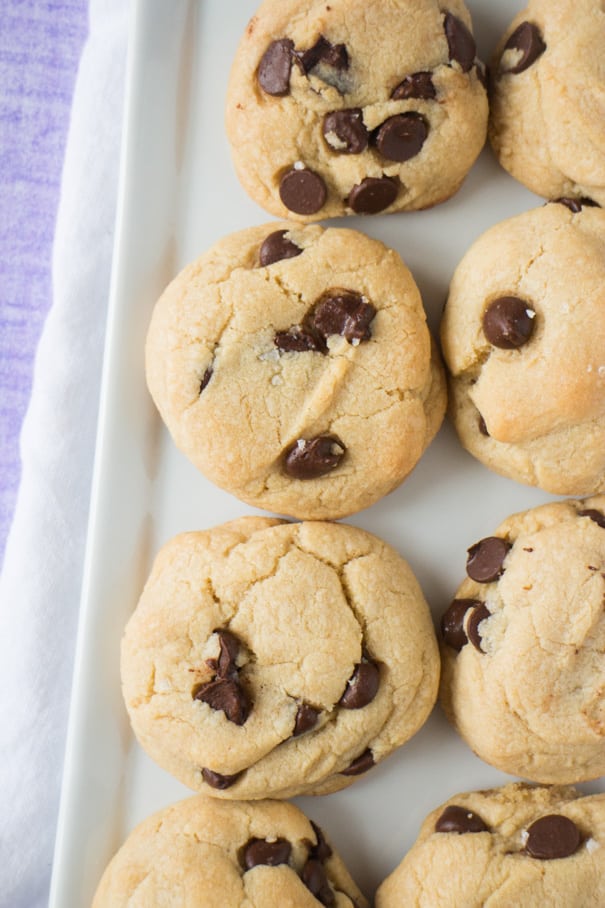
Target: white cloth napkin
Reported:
[(40, 584)]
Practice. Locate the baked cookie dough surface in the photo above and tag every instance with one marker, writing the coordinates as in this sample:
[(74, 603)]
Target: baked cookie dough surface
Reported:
[(511, 846), (523, 337), (294, 367), (349, 107), (204, 852), (523, 650), (269, 659)]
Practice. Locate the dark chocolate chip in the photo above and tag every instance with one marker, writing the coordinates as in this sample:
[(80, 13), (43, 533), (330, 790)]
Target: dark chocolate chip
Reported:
[(576, 205), (217, 780), (401, 137), (360, 764), (461, 44), (482, 426), (228, 696), (418, 85), (452, 622), (478, 615), (362, 686), (595, 515), (486, 557), (259, 851), (306, 719), (343, 312), (314, 457), (274, 69), (552, 836), (226, 664), (345, 132), (276, 247), (528, 40), (206, 378), (322, 850), (298, 340), (324, 52), (508, 322), (372, 195), (460, 820), (302, 191), (315, 879)]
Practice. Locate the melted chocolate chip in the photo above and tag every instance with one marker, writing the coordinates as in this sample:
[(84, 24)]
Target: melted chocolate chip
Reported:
[(360, 764), (298, 340), (595, 515), (361, 687), (217, 780), (314, 457), (315, 879), (323, 52), (528, 40), (345, 132), (401, 137), (302, 191), (452, 622), (343, 312), (478, 615), (274, 69), (508, 322), (259, 851), (322, 850), (418, 85), (372, 195), (552, 836), (459, 820), (306, 719), (576, 205), (485, 559), (206, 378), (483, 427), (228, 696), (277, 247), (461, 44)]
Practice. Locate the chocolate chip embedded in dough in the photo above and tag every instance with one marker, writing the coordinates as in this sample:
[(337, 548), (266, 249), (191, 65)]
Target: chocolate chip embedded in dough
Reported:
[(372, 195), (322, 851), (343, 312), (345, 131), (460, 820), (553, 836), (461, 44), (452, 622), (486, 557), (298, 340), (274, 69), (302, 191), (260, 851), (508, 322), (597, 516), (576, 205), (314, 457), (206, 378), (481, 613), (277, 247), (315, 879), (227, 696), (401, 137), (226, 664), (362, 686), (418, 85), (218, 780), (306, 719), (360, 764), (527, 39), (482, 426), (324, 52)]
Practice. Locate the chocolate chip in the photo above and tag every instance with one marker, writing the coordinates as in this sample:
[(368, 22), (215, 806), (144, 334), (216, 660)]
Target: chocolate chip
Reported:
[(595, 515), (482, 426), (372, 195), (361, 687), (552, 836), (360, 764), (228, 696), (343, 312), (401, 137), (298, 340), (345, 132), (418, 85), (206, 378), (260, 851), (322, 850), (576, 205), (461, 44), (306, 719), (226, 664), (324, 52), (452, 622), (314, 457), (277, 247), (302, 191), (478, 615), (528, 40), (508, 322), (485, 559), (274, 69), (460, 820), (315, 879), (219, 781)]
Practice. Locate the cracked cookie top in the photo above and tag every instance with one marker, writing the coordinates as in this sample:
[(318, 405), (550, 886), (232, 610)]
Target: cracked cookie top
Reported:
[(269, 659), (294, 367)]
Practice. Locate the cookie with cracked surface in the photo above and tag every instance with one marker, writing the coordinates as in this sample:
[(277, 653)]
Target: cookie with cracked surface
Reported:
[(223, 855), (270, 659), (524, 340), (548, 89), (351, 107), (515, 845), (523, 645), (294, 367)]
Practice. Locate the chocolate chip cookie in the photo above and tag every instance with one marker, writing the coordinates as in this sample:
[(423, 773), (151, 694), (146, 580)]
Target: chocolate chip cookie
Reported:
[(523, 336), (294, 367), (350, 107), (224, 855), (510, 846), (269, 659), (548, 90), (523, 645)]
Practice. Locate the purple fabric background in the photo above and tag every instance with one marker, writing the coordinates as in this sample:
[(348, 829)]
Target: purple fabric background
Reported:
[(40, 45)]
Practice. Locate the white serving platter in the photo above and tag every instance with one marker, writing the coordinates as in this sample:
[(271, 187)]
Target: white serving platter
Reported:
[(179, 195)]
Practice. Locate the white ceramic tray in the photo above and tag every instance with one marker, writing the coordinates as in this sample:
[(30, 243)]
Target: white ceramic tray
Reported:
[(179, 194)]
